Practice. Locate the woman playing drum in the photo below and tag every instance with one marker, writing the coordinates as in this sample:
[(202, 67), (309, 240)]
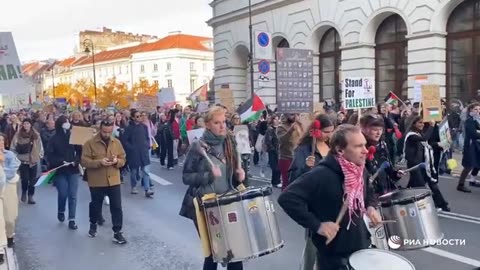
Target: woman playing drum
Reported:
[(216, 171)]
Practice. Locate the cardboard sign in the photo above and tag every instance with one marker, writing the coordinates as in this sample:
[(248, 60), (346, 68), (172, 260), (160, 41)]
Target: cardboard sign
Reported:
[(242, 136), (80, 135), (147, 103), (431, 103), (195, 134), (359, 93), (226, 98)]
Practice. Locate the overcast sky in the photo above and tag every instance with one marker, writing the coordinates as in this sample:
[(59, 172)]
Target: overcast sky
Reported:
[(48, 28)]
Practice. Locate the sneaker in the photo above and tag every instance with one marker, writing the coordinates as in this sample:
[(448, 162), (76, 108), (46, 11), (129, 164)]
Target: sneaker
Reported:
[(23, 197), (149, 193), (72, 225), (279, 185), (262, 174), (10, 242), (134, 190), (170, 168), (93, 230), (61, 217), (119, 239)]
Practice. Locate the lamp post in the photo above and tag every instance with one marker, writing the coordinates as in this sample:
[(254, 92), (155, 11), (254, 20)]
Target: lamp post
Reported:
[(89, 47), (252, 89)]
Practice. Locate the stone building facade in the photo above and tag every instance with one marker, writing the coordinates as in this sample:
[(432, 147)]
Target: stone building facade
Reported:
[(394, 41), (107, 38)]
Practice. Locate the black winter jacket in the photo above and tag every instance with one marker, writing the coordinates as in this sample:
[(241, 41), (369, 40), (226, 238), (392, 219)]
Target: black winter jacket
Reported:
[(59, 150), (298, 166), (317, 197)]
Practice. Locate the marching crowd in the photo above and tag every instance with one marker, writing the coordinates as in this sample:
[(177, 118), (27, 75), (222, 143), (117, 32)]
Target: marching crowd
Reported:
[(33, 142)]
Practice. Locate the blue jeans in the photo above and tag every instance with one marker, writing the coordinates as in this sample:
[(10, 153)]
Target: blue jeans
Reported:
[(140, 174), (67, 187)]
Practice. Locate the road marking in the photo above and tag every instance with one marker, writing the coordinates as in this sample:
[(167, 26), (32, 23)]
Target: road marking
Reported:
[(160, 180), (452, 256), (459, 219), (461, 216)]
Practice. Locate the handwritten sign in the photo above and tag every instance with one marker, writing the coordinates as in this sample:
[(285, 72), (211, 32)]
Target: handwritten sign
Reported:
[(359, 93), (147, 103), (431, 103), (80, 135), (226, 98)]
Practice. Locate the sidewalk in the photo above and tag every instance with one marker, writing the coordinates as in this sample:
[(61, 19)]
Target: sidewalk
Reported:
[(10, 260)]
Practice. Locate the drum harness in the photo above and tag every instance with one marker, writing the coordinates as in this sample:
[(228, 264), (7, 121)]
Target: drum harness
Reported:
[(208, 150)]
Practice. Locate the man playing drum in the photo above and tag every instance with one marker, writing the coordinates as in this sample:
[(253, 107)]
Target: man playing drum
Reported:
[(218, 177), (339, 182)]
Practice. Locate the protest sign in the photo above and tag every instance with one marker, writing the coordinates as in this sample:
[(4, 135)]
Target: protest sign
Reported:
[(431, 103), (359, 93)]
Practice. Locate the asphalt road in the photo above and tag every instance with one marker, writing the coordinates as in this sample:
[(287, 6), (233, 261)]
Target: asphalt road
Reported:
[(158, 238)]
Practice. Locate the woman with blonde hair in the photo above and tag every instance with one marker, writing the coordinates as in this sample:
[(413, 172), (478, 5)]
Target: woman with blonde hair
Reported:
[(202, 178)]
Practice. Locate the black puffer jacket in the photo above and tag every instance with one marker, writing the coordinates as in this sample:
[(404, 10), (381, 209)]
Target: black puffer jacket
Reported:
[(387, 179)]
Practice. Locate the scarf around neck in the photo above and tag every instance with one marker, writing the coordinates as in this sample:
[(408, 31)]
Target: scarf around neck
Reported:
[(212, 139), (353, 187)]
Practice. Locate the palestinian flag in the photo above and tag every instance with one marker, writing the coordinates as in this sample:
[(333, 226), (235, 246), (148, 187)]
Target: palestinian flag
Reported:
[(252, 109), (46, 178), (391, 99)]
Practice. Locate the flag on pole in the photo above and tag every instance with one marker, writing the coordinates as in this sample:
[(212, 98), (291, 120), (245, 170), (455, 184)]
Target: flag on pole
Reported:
[(391, 99), (46, 178), (252, 109)]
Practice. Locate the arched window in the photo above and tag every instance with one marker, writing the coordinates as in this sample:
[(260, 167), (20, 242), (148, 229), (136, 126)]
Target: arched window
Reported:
[(330, 59), (391, 58), (283, 44), (463, 52)]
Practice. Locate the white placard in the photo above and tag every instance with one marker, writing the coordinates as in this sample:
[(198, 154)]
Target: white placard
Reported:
[(359, 93), (195, 134), (242, 137)]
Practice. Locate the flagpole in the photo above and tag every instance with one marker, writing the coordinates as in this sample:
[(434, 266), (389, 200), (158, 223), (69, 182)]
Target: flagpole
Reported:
[(252, 90)]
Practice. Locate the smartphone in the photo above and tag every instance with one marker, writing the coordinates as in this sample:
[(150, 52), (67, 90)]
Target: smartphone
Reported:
[(111, 158)]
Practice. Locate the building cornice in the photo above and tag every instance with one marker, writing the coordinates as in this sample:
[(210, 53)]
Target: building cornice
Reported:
[(243, 12), (426, 35)]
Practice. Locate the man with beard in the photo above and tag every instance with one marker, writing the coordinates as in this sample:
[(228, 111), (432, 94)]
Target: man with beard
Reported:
[(103, 156), (316, 198), (372, 128)]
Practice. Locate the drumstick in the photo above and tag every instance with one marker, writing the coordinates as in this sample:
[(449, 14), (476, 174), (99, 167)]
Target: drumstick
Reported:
[(384, 165), (340, 217), (371, 225), (419, 166)]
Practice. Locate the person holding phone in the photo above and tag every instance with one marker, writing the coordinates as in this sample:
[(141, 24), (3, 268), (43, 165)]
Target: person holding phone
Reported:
[(103, 156)]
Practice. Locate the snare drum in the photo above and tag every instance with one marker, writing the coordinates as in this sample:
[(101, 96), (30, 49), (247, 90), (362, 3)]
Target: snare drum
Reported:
[(376, 259), (416, 218), (242, 225)]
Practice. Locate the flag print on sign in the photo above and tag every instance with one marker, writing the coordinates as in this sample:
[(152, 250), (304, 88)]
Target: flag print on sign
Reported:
[(433, 112)]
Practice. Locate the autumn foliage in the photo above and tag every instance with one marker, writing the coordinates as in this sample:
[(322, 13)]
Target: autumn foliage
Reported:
[(113, 93)]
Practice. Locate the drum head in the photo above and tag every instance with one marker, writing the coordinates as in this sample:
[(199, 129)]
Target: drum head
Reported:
[(375, 259), (404, 196)]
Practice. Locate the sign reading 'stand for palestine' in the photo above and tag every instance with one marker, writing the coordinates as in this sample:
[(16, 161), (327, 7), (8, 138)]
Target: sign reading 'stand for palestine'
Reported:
[(358, 93)]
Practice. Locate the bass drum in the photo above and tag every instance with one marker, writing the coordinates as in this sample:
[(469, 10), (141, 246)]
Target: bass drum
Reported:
[(242, 225), (376, 259)]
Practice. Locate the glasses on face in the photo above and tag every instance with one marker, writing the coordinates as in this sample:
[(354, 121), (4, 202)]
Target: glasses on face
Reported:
[(137, 116), (107, 123)]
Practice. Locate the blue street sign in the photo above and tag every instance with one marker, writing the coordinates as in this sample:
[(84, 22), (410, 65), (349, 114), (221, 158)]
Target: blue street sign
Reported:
[(264, 67), (263, 39)]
